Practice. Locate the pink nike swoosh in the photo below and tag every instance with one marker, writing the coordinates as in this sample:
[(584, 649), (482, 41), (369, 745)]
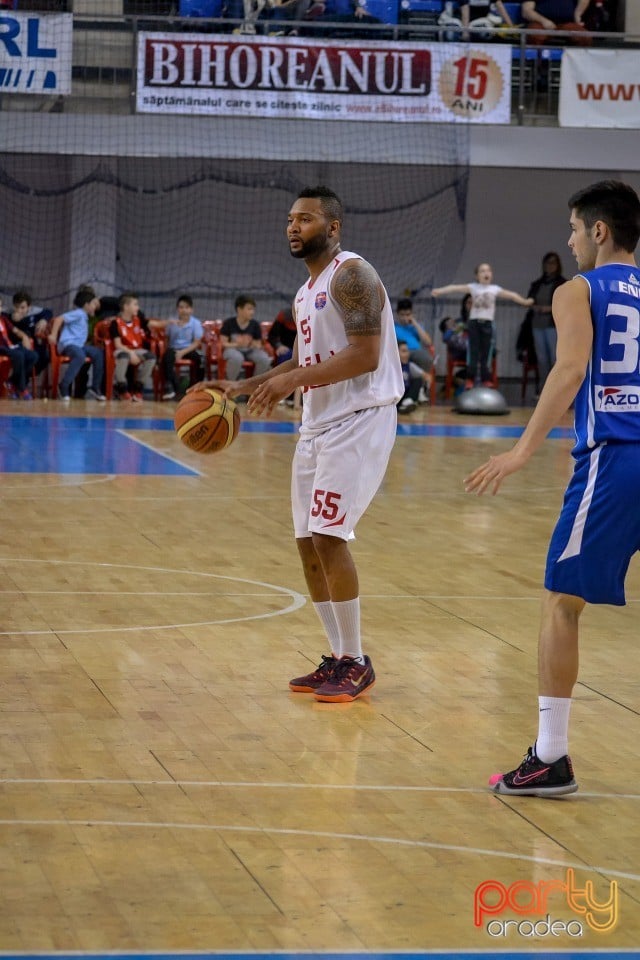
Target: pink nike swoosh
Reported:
[(340, 520), (518, 780)]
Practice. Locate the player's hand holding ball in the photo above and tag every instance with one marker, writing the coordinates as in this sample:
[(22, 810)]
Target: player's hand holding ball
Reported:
[(269, 393)]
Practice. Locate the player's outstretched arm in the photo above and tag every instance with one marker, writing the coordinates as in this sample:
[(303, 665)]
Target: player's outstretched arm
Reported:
[(572, 315)]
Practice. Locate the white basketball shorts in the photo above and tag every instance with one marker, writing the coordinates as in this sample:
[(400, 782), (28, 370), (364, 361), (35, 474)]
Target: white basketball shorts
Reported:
[(336, 474)]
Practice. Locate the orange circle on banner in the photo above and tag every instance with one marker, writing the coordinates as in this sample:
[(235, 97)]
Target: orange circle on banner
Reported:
[(471, 85)]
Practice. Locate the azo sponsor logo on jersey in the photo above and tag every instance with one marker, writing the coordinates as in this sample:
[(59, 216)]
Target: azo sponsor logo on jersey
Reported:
[(617, 399), (321, 299)]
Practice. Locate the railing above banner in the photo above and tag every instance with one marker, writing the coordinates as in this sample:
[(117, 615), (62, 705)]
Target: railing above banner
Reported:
[(105, 72)]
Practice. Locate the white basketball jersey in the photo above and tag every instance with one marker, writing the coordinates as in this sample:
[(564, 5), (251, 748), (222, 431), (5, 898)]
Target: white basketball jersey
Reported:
[(321, 334)]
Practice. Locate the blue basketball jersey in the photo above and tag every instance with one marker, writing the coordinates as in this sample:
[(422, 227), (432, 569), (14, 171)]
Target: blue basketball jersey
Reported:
[(607, 406)]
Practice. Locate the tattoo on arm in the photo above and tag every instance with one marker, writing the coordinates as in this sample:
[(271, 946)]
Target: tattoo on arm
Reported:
[(356, 290)]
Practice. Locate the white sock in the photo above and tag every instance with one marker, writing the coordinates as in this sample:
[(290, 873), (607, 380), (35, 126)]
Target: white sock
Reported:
[(553, 728), (347, 615), (324, 609)]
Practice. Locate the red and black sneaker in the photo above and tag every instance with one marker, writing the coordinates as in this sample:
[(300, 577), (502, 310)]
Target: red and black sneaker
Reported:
[(533, 778), (311, 681), (348, 681)]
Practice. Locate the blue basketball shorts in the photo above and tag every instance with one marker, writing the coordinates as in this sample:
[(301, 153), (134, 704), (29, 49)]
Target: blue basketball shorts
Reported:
[(598, 530)]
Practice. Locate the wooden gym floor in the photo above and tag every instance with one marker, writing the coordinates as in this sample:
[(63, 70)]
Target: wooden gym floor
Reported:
[(161, 791)]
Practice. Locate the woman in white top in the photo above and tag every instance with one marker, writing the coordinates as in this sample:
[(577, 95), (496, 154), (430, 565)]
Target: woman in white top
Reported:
[(484, 294)]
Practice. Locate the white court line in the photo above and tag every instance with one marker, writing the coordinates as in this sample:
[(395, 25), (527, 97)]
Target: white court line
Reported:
[(218, 497), (159, 453), (278, 785), (324, 835), (127, 593), (297, 599), (72, 481)]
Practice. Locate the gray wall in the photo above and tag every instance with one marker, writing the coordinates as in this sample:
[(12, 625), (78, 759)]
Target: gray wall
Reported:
[(514, 216)]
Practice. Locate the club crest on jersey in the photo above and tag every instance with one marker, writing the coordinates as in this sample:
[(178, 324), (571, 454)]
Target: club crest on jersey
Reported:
[(321, 299), (617, 399)]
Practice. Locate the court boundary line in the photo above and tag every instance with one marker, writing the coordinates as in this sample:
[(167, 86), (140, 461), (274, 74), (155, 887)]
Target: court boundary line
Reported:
[(147, 446), (298, 600), (506, 953), (281, 785), (319, 834)]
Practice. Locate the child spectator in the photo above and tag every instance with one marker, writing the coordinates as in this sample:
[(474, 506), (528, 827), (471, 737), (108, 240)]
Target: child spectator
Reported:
[(184, 339), (455, 336), (69, 331), (33, 321), (16, 345), (241, 339), (134, 360), (484, 293), (414, 378)]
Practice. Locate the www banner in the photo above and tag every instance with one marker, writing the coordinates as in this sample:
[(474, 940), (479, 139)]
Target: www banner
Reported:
[(600, 88)]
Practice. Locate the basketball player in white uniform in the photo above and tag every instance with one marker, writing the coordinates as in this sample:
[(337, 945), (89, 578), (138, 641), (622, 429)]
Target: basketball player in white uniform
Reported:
[(346, 361)]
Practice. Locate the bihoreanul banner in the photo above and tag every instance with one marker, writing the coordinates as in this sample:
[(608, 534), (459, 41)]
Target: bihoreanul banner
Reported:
[(288, 77)]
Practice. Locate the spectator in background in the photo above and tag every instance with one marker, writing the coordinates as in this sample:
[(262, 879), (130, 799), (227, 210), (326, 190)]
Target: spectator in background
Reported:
[(415, 379), (283, 11), (543, 328), (33, 321), (69, 331), (184, 340), (409, 331), (482, 17), (455, 335), (356, 15), (282, 335), (134, 359), (484, 293), (421, 350), (601, 15), (554, 15), (16, 345), (241, 339)]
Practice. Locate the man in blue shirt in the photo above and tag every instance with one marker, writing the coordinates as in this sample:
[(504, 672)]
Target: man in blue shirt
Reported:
[(69, 333), (409, 331)]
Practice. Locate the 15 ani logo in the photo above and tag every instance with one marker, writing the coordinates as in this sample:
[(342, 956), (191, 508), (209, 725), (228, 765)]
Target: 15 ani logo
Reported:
[(530, 901)]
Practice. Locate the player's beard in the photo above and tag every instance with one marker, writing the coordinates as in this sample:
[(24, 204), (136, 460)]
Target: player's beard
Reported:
[(309, 248)]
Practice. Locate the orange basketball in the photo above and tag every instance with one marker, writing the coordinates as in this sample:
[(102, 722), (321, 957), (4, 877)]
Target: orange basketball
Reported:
[(206, 421)]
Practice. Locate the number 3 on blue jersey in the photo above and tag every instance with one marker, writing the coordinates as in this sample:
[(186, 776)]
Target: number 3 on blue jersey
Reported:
[(627, 337)]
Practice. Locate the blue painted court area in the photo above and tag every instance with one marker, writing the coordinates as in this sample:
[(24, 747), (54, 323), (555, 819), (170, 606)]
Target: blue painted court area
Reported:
[(83, 445), (427, 955), (477, 431), (92, 445)]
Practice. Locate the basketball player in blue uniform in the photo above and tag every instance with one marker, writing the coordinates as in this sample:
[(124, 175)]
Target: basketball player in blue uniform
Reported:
[(597, 315)]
